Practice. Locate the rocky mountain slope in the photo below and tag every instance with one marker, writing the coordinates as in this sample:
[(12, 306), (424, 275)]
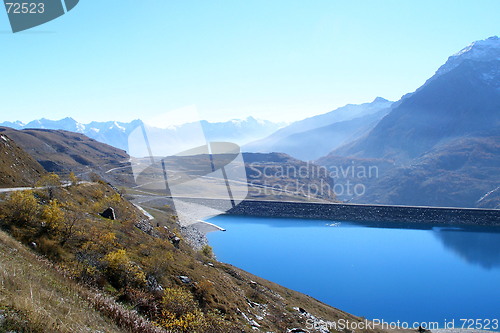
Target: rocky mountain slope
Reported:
[(461, 173), (442, 139), (463, 97)]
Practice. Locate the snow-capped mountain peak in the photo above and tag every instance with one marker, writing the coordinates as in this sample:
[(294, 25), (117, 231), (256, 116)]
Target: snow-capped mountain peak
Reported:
[(482, 50), (116, 133)]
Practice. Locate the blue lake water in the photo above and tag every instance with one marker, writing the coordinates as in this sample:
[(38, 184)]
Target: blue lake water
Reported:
[(380, 271)]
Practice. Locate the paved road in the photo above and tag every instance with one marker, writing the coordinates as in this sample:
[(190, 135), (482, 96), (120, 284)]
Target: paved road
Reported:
[(15, 189)]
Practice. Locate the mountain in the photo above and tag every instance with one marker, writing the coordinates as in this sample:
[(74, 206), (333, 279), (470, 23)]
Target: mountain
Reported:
[(64, 152), (442, 140), (17, 168), (116, 133), (111, 132), (461, 98), (15, 124), (314, 137), (239, 131)]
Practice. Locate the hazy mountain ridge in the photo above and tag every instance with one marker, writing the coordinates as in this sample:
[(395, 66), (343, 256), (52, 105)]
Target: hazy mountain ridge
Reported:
[(317, 142), (295, 139), (116, 133)]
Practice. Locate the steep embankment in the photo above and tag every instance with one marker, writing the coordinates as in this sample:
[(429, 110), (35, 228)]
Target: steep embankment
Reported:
[(34, 297)]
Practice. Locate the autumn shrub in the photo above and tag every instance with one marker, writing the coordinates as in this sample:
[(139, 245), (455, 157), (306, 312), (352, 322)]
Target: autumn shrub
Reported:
[(50, 185), (104, 201), (157, 257), (181, 314), (207, 251), (49, 247), (53, 216), (203, 291), (99, 239), (21, 208), (178, 302), (73, 179), (142, 301), (122, 272)]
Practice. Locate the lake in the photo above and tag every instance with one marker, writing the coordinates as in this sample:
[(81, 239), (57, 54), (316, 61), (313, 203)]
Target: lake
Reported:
[(386, 271)]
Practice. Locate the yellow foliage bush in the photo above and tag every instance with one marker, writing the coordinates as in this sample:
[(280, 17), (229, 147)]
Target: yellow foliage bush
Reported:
[(99, 240), (178, 302), (22, 207), (53, 216), (49, 183), (122, 271), (73, 179)]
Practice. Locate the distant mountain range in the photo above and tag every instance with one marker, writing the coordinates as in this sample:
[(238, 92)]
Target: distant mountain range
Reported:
[(116, 133)]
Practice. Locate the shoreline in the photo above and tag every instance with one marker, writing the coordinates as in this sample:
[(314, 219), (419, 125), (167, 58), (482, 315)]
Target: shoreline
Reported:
[(197, 231)]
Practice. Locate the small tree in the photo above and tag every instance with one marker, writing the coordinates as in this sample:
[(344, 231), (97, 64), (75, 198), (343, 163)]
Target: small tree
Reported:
[(68, 229), (49, 182), (73, 179), (207, 251)]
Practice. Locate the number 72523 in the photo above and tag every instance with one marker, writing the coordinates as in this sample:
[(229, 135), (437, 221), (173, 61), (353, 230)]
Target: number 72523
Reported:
[(25, 7)]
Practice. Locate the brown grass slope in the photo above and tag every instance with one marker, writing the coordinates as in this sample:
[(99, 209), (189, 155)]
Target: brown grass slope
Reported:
[(64, 152), (17, 168), (36, 298), (139, 266)]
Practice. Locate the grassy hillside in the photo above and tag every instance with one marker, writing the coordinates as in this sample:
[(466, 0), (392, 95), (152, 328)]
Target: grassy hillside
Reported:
[(17, 168), (139, 265), (64, 152), (35, 297)]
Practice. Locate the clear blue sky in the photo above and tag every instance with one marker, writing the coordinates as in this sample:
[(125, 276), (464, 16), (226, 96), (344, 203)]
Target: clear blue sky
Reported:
[(277, 60)]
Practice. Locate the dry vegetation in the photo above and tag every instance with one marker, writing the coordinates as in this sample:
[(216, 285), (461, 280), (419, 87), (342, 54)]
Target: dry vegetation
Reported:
[(127, 270), (36, 298)]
